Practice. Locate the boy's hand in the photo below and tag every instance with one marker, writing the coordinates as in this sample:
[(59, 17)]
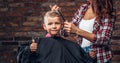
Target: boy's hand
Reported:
[(33, 46)]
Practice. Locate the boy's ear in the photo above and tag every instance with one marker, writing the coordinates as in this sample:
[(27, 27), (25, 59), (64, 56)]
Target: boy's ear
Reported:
[(44, 27), (62, 25)]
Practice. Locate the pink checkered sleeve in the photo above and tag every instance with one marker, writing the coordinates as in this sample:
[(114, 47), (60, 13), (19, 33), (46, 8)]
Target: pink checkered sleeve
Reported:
[(104, 32)]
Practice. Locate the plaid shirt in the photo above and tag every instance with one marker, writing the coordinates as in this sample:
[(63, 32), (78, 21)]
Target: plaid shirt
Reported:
[(103, 33)]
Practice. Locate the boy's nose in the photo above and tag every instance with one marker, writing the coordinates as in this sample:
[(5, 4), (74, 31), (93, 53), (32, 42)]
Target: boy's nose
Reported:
[(54, 26)]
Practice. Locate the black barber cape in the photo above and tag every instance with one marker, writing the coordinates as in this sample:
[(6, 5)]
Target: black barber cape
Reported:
[(53, 50)]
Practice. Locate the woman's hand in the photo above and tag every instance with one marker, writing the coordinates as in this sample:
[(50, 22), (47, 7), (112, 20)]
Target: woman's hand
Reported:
[(92, 54), (54, 8), (70, 27), (33, 46)]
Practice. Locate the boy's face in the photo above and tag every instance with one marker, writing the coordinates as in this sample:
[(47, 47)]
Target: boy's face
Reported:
[(53, 25)]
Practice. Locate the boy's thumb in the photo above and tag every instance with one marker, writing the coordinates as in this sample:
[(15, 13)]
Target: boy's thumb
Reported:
[(66, 21), (33, 41)]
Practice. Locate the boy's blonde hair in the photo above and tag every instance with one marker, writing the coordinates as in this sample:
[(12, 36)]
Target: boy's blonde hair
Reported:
[(50, 14)]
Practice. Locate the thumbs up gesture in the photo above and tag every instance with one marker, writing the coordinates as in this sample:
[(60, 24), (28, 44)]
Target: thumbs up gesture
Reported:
[(33, 46)]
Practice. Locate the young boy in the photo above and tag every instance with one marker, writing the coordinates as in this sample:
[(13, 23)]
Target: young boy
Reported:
[(53, 48), (52, 24)]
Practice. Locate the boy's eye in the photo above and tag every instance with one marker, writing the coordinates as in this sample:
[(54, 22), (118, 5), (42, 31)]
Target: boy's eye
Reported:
[(54, 23), (49, 23), (57, 23)]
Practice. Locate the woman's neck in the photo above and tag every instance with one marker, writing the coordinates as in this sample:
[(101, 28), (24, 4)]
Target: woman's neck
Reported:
[(89, 14)]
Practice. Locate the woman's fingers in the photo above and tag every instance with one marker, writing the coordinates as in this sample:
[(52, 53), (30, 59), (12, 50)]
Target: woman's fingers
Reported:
[(54, 8), (67, 27), (67, 24), (92, 54), (70, 27), (50, 6)]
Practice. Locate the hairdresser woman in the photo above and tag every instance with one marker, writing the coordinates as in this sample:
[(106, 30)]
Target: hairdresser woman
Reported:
[(93, 25)]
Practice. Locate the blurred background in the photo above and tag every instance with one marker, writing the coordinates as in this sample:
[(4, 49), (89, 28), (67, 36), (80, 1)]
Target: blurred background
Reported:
[(20, 20)]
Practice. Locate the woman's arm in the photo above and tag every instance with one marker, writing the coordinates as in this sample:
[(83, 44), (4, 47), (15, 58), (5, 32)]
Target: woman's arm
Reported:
[(70, 27), (101, 36), (89, 36)]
